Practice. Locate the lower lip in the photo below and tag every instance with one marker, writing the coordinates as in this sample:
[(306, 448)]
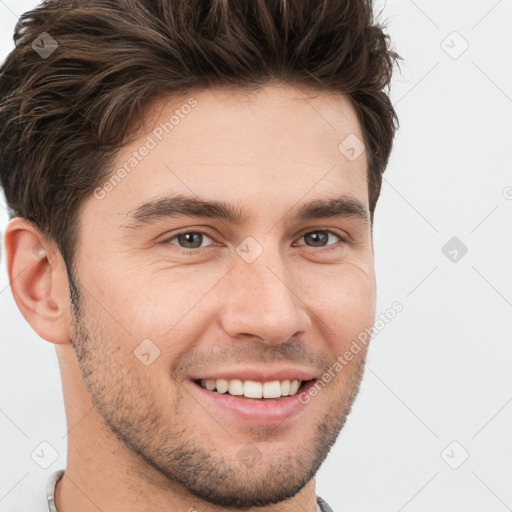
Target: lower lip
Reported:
[(255, 411)]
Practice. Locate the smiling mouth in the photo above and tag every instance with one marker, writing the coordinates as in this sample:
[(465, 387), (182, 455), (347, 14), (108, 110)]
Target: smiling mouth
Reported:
[(254, 390)]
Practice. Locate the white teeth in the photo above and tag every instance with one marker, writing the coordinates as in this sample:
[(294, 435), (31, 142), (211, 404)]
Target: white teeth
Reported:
[(272, 389), (294, 386), (208, 384), (236, 387), (253, 389), (222, 385), (285, 387)]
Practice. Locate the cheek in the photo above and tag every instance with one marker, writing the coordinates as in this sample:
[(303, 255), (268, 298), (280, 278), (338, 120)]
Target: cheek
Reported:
[(161, 312), (344, 304), (177, 303), (356, 300)]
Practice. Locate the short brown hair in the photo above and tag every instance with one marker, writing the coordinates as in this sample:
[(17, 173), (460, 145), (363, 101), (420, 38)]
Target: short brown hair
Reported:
[(64, 117)]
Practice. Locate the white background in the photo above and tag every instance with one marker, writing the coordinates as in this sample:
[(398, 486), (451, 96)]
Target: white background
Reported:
[(440, 371)]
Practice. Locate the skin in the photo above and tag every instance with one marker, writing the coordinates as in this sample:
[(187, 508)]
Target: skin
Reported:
[(139, 438)]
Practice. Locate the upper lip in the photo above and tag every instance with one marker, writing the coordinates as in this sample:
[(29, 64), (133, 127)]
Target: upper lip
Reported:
[(256, 374)]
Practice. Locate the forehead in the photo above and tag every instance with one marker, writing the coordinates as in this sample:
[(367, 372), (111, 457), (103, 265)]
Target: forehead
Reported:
[(263, 149)]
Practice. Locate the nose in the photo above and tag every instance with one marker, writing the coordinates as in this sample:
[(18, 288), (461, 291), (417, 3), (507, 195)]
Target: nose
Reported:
[(263, 301)]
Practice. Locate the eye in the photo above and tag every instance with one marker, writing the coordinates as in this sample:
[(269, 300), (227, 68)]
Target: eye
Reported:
[(188, 239), (319, 238)]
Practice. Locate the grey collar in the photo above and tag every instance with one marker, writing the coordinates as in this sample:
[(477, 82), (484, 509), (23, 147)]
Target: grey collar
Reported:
[(50, 489)]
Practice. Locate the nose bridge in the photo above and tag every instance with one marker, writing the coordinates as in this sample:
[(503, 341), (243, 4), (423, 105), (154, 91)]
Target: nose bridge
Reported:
[(262, 301)]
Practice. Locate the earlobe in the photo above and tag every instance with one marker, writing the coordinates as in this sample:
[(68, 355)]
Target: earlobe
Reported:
[(38, 280)]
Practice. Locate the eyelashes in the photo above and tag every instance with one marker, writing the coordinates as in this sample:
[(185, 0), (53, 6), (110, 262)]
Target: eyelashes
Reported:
[(182, 238)]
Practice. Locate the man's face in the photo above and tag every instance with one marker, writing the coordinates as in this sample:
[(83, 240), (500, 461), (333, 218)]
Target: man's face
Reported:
[(271, 296)]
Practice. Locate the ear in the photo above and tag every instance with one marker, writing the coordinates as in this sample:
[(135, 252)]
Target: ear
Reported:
[(38, 280)]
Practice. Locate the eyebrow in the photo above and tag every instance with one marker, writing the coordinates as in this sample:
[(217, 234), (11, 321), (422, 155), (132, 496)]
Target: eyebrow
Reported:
[(181, 205)]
